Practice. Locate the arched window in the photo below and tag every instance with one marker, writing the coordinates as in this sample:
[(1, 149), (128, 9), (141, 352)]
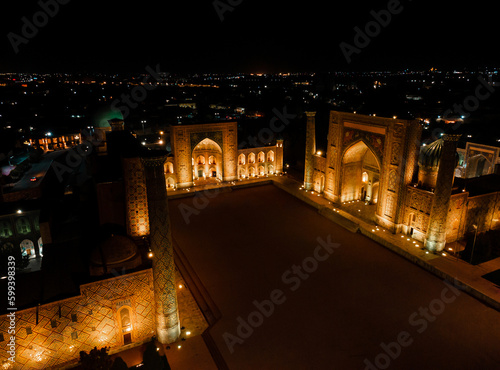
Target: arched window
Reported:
[(126, 325), (27, 248), (241, 159), (169, 167), (211, 160), (200, 159), (251, 158), (365, 177), (23, 225), (251, 171), (5, 229), (170, 183), (261, 157), (270, 156), (271, 169), (261, 171)]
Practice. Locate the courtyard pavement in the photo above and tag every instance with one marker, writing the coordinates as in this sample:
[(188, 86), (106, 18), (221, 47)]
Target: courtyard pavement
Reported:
[(297, 291)]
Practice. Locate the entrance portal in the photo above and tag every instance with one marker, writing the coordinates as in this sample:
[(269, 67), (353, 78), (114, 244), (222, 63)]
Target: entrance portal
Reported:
[(207, 171), (361, 169)]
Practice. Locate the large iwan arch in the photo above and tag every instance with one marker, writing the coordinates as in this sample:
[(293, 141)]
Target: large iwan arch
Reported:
[(208, 160), (216, 139), (360, 170)]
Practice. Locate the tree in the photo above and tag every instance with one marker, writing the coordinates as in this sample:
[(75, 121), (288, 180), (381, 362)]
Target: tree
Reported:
[(96, 359), (152, 359), (119, 364)]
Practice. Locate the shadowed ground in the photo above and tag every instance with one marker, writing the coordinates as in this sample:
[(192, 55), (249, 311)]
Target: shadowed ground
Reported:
[(242, 243)]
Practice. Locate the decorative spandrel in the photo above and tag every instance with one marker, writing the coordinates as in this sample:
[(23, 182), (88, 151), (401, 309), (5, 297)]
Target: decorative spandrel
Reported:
[(197, 137)]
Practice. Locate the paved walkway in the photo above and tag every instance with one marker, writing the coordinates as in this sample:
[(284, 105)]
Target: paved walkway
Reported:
[(247, 247), (444, 265)]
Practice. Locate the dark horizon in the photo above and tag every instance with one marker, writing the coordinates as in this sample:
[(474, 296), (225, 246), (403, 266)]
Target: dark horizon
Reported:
[(255, 37)]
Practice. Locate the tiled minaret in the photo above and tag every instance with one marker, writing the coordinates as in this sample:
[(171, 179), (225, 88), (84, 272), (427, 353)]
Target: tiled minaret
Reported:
[(436, 233), (279, 156), (310, 149), (167, 315)]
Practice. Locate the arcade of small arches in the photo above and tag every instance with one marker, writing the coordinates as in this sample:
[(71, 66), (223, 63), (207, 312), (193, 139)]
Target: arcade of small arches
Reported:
[(207, 164), (252, 165)]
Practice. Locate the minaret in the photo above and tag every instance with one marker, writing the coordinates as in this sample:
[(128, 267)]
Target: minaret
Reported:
[(310, 150), (436, 233), (279, 156), (167, 315)]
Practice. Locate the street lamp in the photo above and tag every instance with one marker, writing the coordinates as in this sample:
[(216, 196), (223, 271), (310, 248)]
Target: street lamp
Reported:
[(473, 243)]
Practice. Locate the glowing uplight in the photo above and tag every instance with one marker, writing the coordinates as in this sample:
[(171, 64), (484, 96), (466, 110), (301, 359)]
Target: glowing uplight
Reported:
[(180, 286), (188, 333)]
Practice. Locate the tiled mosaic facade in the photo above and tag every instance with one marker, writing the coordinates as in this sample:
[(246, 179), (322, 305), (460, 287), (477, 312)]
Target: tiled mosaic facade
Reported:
[(382, 149), (97, 322), (231, 163), (137, 215), (55, 333)]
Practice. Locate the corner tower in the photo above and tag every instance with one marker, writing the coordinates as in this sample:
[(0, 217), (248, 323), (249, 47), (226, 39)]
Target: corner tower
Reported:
[(310, 150), (436, 232)]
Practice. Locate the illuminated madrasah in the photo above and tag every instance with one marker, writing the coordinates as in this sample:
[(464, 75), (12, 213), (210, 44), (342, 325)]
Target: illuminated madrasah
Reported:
[(128, 300), (411, 189)]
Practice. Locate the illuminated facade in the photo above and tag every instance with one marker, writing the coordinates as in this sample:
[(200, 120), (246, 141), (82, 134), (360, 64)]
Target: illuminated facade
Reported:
[(379, 161), (208, 153), (51, 143)]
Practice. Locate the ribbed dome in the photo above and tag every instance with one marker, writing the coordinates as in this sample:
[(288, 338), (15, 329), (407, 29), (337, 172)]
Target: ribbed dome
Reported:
[(429, 155)]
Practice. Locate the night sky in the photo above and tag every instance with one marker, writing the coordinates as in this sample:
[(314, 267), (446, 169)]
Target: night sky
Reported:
[(257, 36)]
